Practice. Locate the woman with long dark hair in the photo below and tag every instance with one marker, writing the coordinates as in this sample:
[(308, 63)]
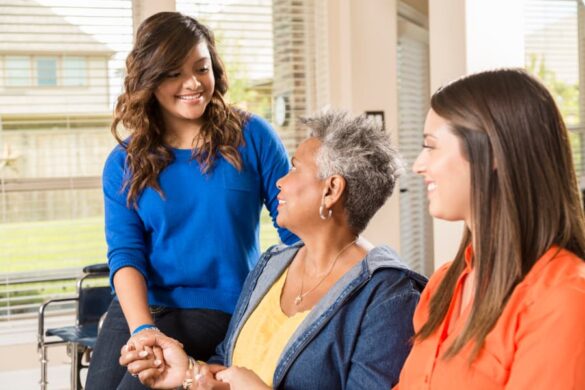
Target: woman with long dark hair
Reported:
[(509, 311), (183, 195)]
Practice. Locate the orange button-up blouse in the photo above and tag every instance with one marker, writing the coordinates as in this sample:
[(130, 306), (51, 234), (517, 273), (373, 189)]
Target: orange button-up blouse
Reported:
[(537, 343)]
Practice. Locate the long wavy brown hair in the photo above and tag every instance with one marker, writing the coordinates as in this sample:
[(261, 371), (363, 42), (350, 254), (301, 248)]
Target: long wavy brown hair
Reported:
[(163, 42), (524, 193)]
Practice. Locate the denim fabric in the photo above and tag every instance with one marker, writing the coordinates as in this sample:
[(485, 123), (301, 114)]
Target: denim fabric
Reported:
[(199, 330), (356, 337)]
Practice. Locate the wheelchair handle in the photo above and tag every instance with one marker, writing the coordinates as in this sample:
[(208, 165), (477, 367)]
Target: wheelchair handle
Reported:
[(101, 268)]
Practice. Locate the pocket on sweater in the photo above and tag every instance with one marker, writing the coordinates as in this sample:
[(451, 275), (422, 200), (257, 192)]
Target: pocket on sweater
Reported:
[(244, 180)]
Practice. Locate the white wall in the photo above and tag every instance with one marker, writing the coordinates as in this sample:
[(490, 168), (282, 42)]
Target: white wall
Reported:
[(362, 49)]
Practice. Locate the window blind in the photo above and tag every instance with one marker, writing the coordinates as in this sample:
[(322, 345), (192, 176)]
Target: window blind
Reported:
[(270, 49), (413, 104), (552, 45)]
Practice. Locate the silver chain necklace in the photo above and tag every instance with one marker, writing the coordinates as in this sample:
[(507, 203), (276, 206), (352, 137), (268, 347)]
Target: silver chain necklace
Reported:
[(299, 298)]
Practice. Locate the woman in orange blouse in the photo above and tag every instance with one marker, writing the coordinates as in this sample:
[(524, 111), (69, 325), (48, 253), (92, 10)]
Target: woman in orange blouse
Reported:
[(509, 311)]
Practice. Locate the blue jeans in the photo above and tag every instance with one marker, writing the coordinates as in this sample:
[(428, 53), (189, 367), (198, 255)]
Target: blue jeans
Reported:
[(199, 330)]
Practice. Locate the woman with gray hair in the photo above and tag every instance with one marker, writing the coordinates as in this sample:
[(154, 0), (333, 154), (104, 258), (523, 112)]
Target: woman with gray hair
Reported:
[(330, 312)]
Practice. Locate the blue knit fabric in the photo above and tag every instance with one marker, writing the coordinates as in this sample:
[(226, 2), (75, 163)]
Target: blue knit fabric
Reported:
[(196, 245)]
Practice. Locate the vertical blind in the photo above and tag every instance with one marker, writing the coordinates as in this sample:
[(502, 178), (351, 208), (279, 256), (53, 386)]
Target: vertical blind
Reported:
[(413, 103)]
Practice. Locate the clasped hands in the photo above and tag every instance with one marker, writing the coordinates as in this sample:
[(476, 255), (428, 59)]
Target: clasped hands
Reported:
[(160, 362)]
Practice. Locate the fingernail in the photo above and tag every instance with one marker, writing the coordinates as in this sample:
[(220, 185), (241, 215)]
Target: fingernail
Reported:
[(157, 362), (198, 377), (143, 354)]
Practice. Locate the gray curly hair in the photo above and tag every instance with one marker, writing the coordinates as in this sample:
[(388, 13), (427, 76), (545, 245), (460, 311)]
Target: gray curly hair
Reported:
[(359, 150)]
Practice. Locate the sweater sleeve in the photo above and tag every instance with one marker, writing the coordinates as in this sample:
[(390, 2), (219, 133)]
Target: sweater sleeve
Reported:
[(274, 164), (125, 231)]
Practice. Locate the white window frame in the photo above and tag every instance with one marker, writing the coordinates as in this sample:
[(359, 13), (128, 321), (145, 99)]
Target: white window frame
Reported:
[(33, 76), (28, 83)]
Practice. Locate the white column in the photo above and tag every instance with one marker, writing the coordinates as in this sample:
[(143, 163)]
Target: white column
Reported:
[(362, 50), (142, 9)]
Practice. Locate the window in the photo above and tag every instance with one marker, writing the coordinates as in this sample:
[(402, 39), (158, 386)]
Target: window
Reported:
[(49, 71), (54, 138), (552, 45), (53, 144), (74, 71), (46, 71), (17, 71)]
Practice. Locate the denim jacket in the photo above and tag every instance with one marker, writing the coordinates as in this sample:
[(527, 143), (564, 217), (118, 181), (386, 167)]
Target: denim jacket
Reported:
[(356, 337)]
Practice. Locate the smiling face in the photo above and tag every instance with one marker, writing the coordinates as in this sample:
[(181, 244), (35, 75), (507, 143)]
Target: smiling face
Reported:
[(301, 190), (185, 92), (446, 171)]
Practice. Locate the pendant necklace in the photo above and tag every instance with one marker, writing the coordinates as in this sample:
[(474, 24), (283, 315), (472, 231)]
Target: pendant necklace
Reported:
[(301, 295)]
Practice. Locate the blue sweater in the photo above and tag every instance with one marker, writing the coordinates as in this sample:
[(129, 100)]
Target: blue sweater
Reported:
[(196, 246)]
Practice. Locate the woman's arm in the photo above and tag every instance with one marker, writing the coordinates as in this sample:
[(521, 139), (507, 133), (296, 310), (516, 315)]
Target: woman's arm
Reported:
[(273, 164), (384, 341), (550, 341), (125, 236), (131, 292)]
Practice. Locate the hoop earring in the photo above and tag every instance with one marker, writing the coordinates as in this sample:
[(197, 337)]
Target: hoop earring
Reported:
[(324, 217)]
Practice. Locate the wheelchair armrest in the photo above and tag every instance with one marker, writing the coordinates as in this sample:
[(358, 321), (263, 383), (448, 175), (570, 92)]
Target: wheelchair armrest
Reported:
[(42, 308), (101, 268)]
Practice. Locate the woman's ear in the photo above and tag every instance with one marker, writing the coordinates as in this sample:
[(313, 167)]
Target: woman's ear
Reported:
[(334, 189)]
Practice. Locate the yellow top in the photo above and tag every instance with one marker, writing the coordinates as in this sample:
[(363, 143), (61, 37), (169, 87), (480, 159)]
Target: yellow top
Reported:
[(265, 334)]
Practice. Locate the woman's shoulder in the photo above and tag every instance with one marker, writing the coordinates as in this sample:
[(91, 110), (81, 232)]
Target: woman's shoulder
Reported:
[(558, 272), (439, 274), (386, 267), (117, 157), (257, 128), (554, 289)]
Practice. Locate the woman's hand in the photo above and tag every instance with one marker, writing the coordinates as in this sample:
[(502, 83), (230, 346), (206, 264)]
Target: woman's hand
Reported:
[(205, 378), (241, 378), (164, 372)]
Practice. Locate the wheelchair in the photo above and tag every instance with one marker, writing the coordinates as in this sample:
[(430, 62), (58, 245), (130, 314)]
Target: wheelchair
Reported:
[(91, 305)]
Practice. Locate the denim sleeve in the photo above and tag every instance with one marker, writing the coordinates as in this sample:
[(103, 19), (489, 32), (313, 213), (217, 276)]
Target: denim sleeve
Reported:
[(219, 357), (274, 164), (383, 343), (124, 228)]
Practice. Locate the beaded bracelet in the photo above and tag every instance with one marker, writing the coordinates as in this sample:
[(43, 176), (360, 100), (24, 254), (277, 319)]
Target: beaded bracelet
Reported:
[(144, 327), (188, 382)]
